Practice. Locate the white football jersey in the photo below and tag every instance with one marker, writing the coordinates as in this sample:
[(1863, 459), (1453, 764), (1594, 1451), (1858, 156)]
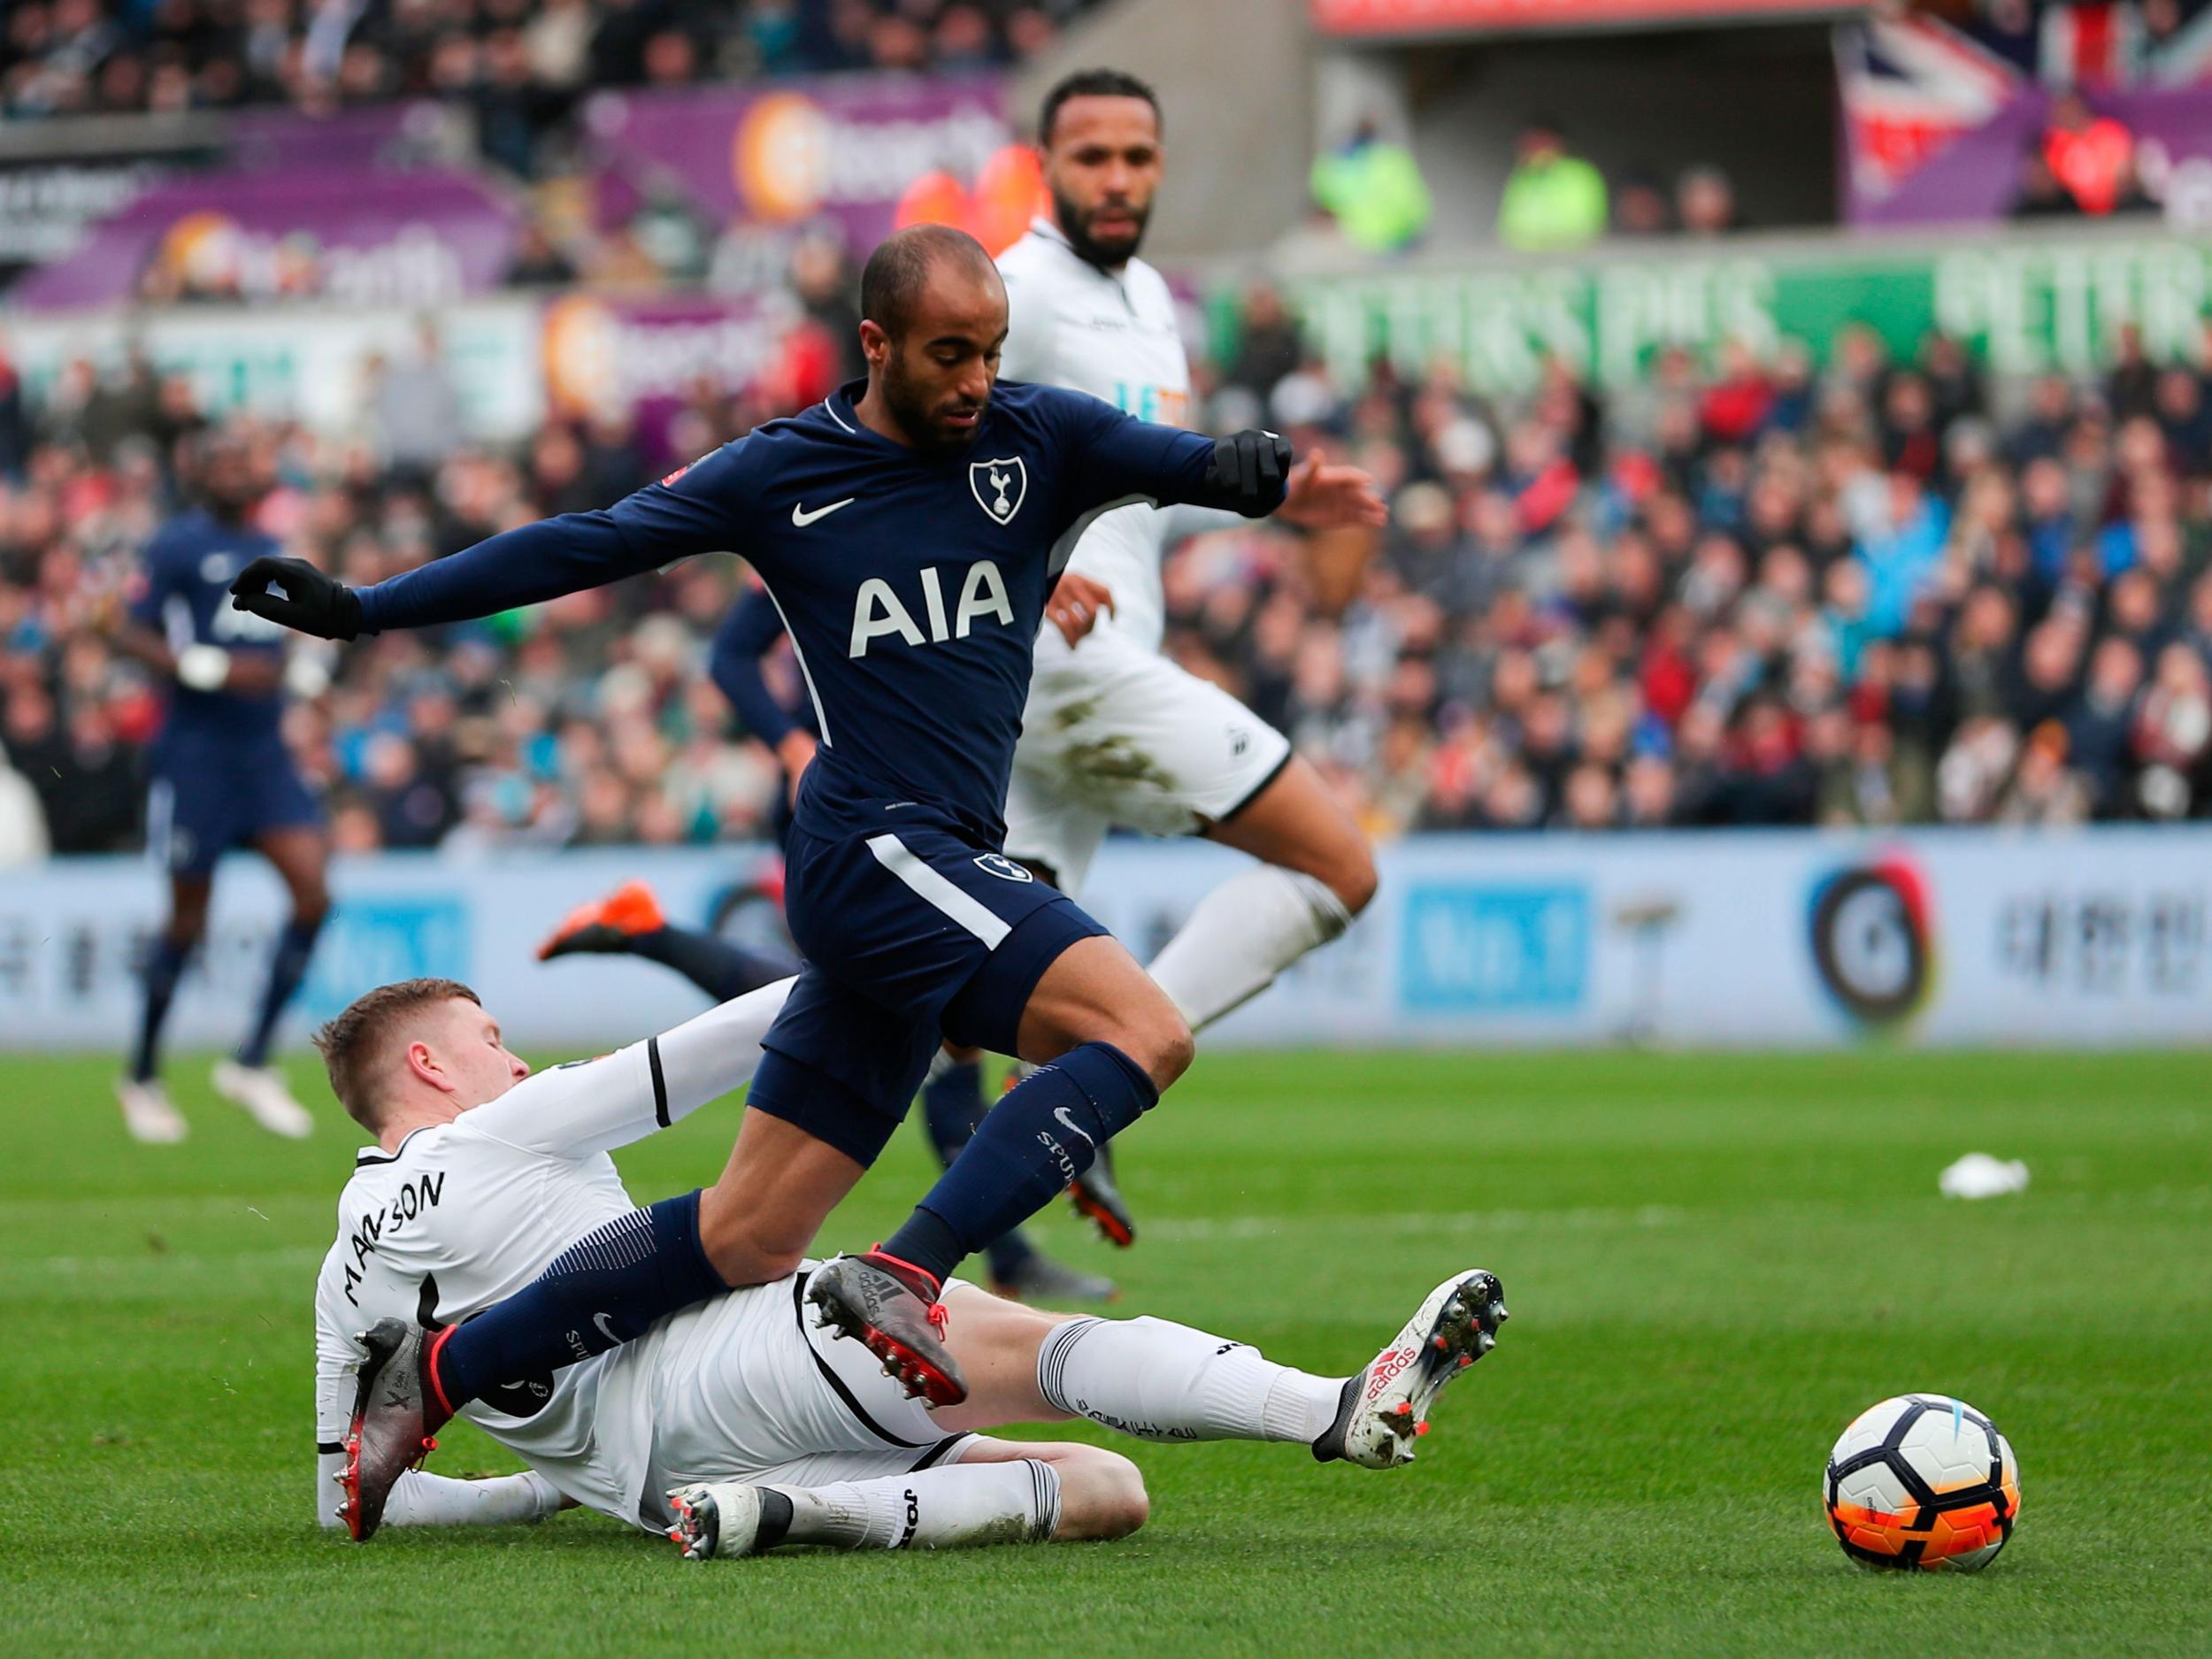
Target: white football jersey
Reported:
[(463, 1215), (1113, 334)]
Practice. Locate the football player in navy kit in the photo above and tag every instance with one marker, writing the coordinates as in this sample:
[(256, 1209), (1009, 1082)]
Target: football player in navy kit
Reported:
[(222, 778), (910, 529)]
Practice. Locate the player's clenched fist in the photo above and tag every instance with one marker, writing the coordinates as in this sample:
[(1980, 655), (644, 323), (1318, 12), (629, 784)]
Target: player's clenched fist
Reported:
[(295, 594), (1246, 472)]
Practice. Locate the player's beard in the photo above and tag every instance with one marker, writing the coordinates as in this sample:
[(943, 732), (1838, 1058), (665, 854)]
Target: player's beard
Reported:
[(917, 411), (1108, 253)]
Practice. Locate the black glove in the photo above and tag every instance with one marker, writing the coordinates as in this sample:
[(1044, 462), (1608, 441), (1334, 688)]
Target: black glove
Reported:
[(1246, 472), (295, 594)]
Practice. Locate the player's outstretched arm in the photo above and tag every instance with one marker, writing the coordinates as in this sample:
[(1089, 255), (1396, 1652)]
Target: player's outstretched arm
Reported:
[(523, 566), (700, 509), (596, 1105)]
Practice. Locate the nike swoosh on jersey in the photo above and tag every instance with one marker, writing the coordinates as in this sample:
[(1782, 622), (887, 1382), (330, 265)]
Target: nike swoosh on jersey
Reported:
[(802, 518)]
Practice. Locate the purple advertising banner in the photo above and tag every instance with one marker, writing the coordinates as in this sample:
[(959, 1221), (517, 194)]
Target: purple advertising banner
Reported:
[(840, 150), (362, 237), (643, 356)]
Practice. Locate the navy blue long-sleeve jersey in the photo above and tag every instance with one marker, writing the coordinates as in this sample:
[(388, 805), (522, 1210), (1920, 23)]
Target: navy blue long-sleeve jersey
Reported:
[(184, 595), (913, 584), (733, 664)]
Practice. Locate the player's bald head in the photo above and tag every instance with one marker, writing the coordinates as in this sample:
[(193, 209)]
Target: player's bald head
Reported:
[(910, 265)]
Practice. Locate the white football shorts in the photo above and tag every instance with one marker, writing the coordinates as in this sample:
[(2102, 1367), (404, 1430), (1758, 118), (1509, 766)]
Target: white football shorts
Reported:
[(1117, 736)]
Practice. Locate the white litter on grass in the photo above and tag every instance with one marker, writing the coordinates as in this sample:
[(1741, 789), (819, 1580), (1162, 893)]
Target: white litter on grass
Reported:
[(1978, 1175)]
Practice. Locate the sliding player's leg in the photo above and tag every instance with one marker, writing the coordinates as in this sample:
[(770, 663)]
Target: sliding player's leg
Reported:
[(1155, 1379), (629, 922), (1147, 1378), (989, 1492), (766, 1431)]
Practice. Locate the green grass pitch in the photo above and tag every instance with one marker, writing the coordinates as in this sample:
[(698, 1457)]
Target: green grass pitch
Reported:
[(1713, 1262)]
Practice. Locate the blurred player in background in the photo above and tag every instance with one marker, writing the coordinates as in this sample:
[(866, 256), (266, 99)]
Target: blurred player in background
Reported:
[(221, 778), (1115, 734)]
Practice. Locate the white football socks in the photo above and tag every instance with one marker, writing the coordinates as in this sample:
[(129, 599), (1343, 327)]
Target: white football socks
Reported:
[(1243, 934), (1161, 1381), (932, 1509), (422, 1499)]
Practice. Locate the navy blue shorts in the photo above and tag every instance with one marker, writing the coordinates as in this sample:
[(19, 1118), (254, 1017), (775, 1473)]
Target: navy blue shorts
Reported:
[(911, 936), (202, 805)]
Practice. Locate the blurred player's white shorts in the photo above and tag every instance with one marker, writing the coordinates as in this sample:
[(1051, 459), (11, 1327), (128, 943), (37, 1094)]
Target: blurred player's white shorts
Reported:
[(745, 1388), (1116, 734)]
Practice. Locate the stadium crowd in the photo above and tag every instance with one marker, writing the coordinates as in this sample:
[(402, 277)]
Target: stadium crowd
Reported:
[(528, 56), (1760, 593)]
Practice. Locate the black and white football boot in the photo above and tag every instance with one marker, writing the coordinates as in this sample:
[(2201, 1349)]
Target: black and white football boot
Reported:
[(725, 1518), (1385, 1407)]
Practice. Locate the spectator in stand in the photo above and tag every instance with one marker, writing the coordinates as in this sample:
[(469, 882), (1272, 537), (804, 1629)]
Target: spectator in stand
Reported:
[(2130, 387), (416, 413), (2039, 193), (1269, 344), (1705, 202), (2091, 156), (1553, 201), (1641, 207), (1372, 188)]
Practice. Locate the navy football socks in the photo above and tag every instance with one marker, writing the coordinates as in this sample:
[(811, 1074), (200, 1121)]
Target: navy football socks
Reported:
[(164, 966), (952, 1106), (604, 1290), (287, 966), (1030, 1146)]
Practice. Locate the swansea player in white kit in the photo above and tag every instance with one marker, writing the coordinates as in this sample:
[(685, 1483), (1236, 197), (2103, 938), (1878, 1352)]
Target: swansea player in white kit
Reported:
[(735, 1425), (1115, 734)]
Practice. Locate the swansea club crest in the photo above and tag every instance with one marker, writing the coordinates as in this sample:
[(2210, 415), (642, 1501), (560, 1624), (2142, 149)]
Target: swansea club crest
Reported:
[(999, 486)]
